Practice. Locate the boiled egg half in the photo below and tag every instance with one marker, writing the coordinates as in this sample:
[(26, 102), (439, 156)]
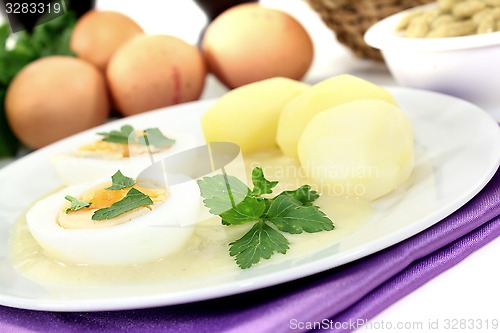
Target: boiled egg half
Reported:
[(101, 157), (146, 233)]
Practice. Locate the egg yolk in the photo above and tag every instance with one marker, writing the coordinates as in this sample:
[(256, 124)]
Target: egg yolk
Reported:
[(100, 198), (112, 150), (106, 149)]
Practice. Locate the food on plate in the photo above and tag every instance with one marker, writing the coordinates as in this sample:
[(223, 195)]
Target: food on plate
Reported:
[(249, 43), (126, 148), (291, 212), (127, 142), (326, 94), (248, 115), (98, 34), (114, 223), (362, 148), (54, 97), (354, 145), (149, 72), (452, 19), (349, 135)]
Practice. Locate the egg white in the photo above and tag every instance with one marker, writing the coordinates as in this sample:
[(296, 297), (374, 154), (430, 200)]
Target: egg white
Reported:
[(149, 237), (74, 169)]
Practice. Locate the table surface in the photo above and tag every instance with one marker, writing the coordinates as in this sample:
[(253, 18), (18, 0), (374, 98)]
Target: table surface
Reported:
[(470, 290)]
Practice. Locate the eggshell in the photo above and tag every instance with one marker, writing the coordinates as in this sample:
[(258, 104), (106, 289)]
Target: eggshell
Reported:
[(150, 72), (98, 34), (249, 43), (54, 97)]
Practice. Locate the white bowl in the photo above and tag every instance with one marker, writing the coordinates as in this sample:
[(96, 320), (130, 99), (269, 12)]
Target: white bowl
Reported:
[(467, 67)]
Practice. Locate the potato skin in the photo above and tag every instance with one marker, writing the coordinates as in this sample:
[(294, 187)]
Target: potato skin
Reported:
[(54, 97), (151, 72)]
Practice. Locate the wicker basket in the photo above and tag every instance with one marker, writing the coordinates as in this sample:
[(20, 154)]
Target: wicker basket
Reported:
[(351, 18)]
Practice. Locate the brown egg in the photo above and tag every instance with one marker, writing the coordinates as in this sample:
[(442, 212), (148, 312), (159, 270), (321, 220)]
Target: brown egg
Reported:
[(249, 43), (98, 34), (150, 72), (54, 97)]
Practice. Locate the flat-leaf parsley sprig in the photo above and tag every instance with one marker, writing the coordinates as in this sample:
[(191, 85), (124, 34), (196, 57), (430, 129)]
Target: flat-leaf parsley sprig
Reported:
[(126, 134), (289, 212)]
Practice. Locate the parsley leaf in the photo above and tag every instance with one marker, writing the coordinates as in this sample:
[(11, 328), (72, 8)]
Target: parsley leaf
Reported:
[(132, 200), (120, 181), (249, 210), (151, 137), (121, 136), (260, 184), (290, 215), (4, 34), (260, 242), (303, 194), (53, 36), (291, 212), (76, 204), (154, 137), (222, 193)]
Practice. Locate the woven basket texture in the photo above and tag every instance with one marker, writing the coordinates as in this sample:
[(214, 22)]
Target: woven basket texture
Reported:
[(350, 19)]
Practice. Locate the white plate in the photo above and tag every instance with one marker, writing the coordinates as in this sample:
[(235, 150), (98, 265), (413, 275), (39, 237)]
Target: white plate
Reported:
[(458, 148)]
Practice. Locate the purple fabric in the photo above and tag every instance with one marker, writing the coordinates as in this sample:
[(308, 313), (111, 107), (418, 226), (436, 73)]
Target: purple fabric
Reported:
[(358, 290)]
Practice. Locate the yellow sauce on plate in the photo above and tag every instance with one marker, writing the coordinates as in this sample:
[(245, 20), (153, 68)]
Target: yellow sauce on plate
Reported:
[(206, 253)]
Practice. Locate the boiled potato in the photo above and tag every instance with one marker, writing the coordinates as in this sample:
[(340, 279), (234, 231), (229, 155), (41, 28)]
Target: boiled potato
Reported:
[(326, 94), (248, 115), (362, 148)]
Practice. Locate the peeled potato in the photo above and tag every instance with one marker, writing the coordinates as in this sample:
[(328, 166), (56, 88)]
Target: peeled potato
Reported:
[(326, 94), (362, 149), (248, 115)]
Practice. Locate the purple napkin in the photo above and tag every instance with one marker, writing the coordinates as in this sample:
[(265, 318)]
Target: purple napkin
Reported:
[(358, 290)]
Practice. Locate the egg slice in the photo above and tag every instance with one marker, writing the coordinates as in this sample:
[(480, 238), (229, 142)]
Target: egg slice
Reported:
[(98, 159), (141, 235)]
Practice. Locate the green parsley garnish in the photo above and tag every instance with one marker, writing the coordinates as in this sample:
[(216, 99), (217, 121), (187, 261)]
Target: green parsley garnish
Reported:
[(260, 184), (133, 199), (121, 136), (76, 204), (120, 182), (154, 137), (126, 134), (290, 211)]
